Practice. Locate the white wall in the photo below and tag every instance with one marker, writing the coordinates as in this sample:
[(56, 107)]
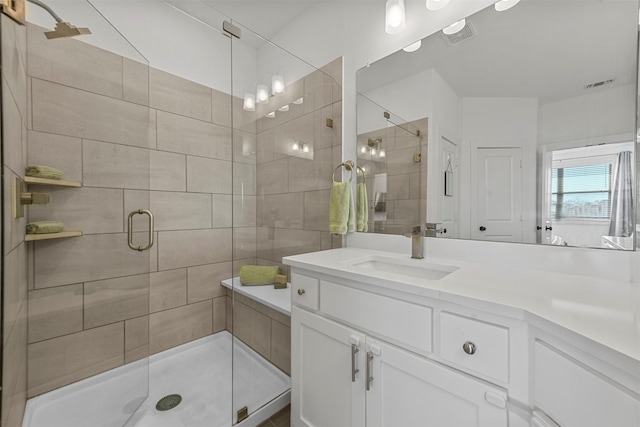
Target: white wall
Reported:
[(501, 122), (589, 117)]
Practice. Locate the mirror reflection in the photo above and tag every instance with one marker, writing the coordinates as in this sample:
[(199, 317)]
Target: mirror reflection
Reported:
[(527, 127)]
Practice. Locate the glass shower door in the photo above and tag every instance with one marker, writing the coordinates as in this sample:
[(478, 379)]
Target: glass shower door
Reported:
[(89, 116)]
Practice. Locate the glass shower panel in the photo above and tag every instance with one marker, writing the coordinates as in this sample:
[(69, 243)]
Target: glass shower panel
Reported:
[(89, 117), (287, 141)]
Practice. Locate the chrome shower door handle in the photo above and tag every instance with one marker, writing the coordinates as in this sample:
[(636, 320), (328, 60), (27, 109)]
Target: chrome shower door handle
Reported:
[(130, 230)]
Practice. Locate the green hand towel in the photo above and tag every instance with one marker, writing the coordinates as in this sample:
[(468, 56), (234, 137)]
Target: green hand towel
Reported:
[(42, 227), (39, 171), (258, 274), (362, 208), (341, 209)]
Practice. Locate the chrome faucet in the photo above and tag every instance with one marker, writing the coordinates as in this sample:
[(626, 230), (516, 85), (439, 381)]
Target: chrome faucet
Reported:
[(417, 250)]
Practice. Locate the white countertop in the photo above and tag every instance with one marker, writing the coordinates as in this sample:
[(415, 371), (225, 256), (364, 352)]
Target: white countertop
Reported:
[(602, 310), (278, 299)]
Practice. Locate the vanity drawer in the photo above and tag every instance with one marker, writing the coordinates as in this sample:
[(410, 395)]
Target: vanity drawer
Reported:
[(304, 290), (480, 347), (403, 323)]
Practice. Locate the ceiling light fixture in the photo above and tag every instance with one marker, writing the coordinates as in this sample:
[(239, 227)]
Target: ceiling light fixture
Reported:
[(455, 27), (271, 115), (277, 84), (249, 102), (284, 108), (262, 94), (394, 17), (436, 4), (503, 5), (413, 46), (299, 101)]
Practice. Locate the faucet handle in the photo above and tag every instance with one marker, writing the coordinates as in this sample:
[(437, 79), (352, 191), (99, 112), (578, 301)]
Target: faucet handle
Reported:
[(415, 231)]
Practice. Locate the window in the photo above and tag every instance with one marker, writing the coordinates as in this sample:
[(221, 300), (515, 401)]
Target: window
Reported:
[(581, 192)]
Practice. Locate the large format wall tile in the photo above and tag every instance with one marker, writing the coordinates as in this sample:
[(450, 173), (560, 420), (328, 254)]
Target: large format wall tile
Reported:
[(219, 314), (208, 175), (135, 81), (180, 211), (316, 210), (74, 63), (92, 210), (87, 258), (253, 328), (273, 177), (13, 150), (179, 134), (168, 92), (244, 211), (222, 210), (114, 166), (204, 281), (168, 290), (281, 346), (308, 175), (282, 210), (14, 61), (193, 247), (14, 372), (72, 112), (168, 171), (221, 108), (61, 361), (15, 287), (177, 326), (114, 300), (293, 242), (61, 152), (14, 228), (136, 339), (55, 312)]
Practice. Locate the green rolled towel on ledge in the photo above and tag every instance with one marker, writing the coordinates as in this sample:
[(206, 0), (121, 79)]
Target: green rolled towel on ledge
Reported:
[(39, 171), (43, 227), (258, 274)]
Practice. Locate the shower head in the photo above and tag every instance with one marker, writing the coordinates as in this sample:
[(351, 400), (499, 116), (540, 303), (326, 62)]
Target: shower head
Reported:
[(63, 29)]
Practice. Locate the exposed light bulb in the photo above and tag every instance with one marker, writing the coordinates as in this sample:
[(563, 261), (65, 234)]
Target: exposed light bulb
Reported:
[(363, 149), (249, 102), (299, 101), (271, 115), (262, 94), (277, 84), (382, 153), (455, 27), (373, 151), (436, 4), (295, 146), (413, 46), (394, 17), (284, 108), (503, 5), (305, 148)]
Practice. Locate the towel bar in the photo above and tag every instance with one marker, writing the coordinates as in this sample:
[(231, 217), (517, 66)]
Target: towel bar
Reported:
[(348, 165)]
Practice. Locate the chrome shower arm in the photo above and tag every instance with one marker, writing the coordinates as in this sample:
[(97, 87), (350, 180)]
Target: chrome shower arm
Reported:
[(47, 8)]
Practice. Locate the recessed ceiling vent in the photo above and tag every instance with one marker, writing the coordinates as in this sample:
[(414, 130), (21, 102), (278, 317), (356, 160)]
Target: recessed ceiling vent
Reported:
[(598, 84), (465, 34)]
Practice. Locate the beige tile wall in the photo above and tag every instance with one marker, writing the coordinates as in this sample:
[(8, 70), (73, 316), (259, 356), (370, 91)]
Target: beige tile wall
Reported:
[(135, 137), (406, 179), (15, 274), (221, 199)]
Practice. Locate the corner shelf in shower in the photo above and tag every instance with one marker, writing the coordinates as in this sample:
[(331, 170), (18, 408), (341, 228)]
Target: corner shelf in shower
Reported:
[(49, 236), (52, 182)]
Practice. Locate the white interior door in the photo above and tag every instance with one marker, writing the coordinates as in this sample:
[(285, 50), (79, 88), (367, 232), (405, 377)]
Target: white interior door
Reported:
[(497, 214), (448, 155)]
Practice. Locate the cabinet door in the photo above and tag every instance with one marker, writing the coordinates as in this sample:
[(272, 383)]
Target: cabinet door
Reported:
[(323, 389), (408, 390)]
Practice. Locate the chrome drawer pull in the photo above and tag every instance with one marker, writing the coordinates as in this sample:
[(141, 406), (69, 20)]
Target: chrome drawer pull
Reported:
[(300, 291), (469, 347), (354, 371), (369, 370)]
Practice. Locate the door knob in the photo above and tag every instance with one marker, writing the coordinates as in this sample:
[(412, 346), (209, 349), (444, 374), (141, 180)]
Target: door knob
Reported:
[(483, 228), (469, 347), (538, 227), (548, 228), (300, 291)]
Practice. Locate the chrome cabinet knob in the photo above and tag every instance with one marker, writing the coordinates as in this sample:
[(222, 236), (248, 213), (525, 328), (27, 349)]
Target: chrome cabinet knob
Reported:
[(469, 347), (300, 291)]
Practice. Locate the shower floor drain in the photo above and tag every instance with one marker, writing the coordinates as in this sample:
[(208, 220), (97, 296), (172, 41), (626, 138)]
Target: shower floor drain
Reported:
[(168, 402)]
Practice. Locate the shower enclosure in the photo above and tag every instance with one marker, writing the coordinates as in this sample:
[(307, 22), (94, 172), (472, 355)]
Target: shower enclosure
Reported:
[(154, 115)]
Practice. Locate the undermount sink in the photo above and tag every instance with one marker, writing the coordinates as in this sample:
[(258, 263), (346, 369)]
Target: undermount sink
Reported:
[(403, 267)]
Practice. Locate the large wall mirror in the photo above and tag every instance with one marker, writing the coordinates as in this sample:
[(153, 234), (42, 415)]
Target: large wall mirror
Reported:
[(525, 121)]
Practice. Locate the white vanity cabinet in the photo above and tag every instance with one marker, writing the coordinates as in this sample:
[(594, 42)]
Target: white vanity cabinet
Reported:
[(342, 376)]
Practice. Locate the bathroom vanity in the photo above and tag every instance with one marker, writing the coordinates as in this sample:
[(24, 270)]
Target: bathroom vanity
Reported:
[(380, 339)]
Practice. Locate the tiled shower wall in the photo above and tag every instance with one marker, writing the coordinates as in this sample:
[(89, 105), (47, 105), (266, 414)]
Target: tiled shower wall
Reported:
[(406, 179), (14, 137), (102, 119)]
